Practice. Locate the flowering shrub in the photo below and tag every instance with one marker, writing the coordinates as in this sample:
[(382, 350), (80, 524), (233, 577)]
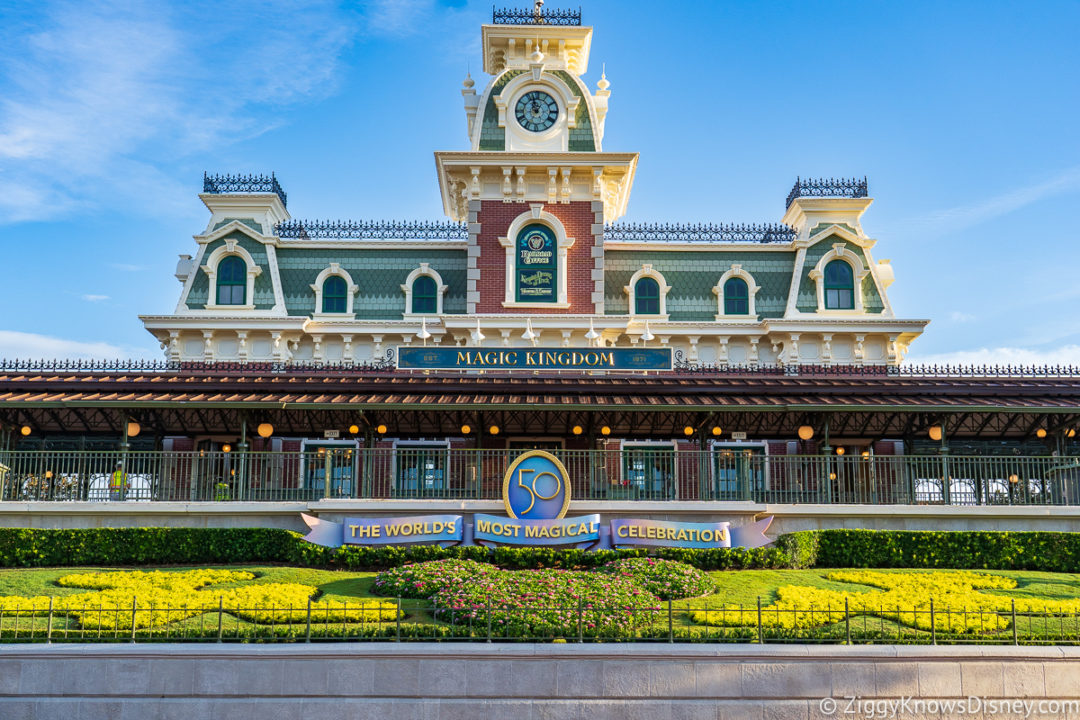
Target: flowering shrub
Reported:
[(616, 599), (902, 596), (425, 580), (666, 579), (160, 598)]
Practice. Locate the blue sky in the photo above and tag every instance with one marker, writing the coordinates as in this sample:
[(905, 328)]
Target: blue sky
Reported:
[(962, 114)]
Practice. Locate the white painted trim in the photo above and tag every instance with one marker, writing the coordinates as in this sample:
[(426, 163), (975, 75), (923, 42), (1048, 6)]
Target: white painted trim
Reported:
[(647, 270), (407, 287), (736, 271), (546, 141), (351, 289)]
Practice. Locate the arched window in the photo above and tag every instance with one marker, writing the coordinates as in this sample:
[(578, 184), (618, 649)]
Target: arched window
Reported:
[(736, 297), (647, 297), (839, 286), (334, 294), (232, 281), (424, 295)]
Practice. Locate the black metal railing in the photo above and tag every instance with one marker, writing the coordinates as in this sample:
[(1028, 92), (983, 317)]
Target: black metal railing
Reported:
[(371, 230), (219, 184), (536, 16), (395, 619), (827, 187), (636, 473), (682, 367), (699, 232)]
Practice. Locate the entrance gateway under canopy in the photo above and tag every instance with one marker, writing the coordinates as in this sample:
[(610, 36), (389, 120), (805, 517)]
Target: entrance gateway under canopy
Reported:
[(664, 363)]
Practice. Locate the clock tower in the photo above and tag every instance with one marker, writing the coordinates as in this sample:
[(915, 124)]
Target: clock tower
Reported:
[(536, 186)]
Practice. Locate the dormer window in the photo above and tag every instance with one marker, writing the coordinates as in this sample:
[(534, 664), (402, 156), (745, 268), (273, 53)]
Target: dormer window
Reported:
[(335, 294), (736, 297), (839, 286), (425, 295), (232, 281), (647, 297)]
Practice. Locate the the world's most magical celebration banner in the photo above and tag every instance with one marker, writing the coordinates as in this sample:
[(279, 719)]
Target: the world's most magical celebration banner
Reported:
[(536, 494)]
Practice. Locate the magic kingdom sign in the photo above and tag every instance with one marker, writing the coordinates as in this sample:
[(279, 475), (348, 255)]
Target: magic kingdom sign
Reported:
[(536, 496), (452, 358)]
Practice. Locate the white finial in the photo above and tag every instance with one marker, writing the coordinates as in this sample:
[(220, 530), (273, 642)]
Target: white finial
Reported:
[(537, 56), (603, 84), (468, 81)]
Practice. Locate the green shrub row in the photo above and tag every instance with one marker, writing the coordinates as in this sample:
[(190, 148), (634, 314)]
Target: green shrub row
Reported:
[(31, 547), (968, 550), (1049, 551)]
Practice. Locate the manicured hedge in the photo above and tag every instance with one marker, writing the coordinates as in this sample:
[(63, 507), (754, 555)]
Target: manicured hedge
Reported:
[(971, 550), (1050, 551), (22, 547)]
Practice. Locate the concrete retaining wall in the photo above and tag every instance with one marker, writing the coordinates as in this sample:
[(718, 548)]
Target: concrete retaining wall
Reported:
[(518, 681), (787, 518)]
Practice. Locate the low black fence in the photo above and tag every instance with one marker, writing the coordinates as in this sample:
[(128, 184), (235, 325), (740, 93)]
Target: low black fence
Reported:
[(401, 620)]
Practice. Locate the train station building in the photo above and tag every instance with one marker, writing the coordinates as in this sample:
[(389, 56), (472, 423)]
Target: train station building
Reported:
[(677, 369)]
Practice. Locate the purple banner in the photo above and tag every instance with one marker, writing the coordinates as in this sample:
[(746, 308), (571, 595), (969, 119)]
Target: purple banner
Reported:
[(430, 529), (511, 531)]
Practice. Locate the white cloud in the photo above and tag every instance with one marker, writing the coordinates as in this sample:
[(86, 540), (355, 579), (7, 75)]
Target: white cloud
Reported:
[(127, 267), (957, 316), (94, 298), (98, 96), (31, 346), (397, 17), (1064, 355), (961, 217)]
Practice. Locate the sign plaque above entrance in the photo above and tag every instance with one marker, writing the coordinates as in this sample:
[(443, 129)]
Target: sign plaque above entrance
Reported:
[(455, 358)]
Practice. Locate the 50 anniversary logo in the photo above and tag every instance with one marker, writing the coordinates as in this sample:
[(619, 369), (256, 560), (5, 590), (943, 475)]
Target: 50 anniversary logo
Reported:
[(536, 495)]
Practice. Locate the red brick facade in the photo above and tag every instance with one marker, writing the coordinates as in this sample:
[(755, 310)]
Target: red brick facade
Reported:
[(495, 218)]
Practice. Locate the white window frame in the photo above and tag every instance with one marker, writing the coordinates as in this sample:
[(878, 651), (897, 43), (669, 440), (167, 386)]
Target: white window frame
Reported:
[(736, 271), (407, 288), (659, 444), (647, 270), (716, 445), (231, 248), (434, 443), (536, 215), (351, 289), (859, 271)]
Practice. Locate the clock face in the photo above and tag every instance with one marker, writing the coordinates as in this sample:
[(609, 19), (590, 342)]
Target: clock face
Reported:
[(536, 111)]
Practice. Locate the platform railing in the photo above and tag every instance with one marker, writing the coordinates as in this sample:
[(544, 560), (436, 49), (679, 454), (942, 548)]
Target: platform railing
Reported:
[(646, 472)]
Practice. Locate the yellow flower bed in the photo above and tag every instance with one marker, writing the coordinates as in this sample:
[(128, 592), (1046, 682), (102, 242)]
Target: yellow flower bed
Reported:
[(160, 598), (903, 596)]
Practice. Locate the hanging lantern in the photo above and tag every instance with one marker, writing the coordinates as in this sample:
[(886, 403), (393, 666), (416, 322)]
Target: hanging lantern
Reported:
[(806, 432), (354, 429), (935, 433), (24, 430), (688, 431), (605, 430), (265, 430), (465, 429), (1040, 433), (381, 429), (1014, 478), (494, 429), (226, 448), (1071, 433), (866, 453), (716, 431), (832, 476), (840, 451), (578, 430), (133, 428)]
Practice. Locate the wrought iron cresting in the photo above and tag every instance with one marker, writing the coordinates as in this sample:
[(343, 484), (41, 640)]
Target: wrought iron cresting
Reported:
[(827, 187), (699, 232), (371, 230), (218, 184), (536, 16)]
